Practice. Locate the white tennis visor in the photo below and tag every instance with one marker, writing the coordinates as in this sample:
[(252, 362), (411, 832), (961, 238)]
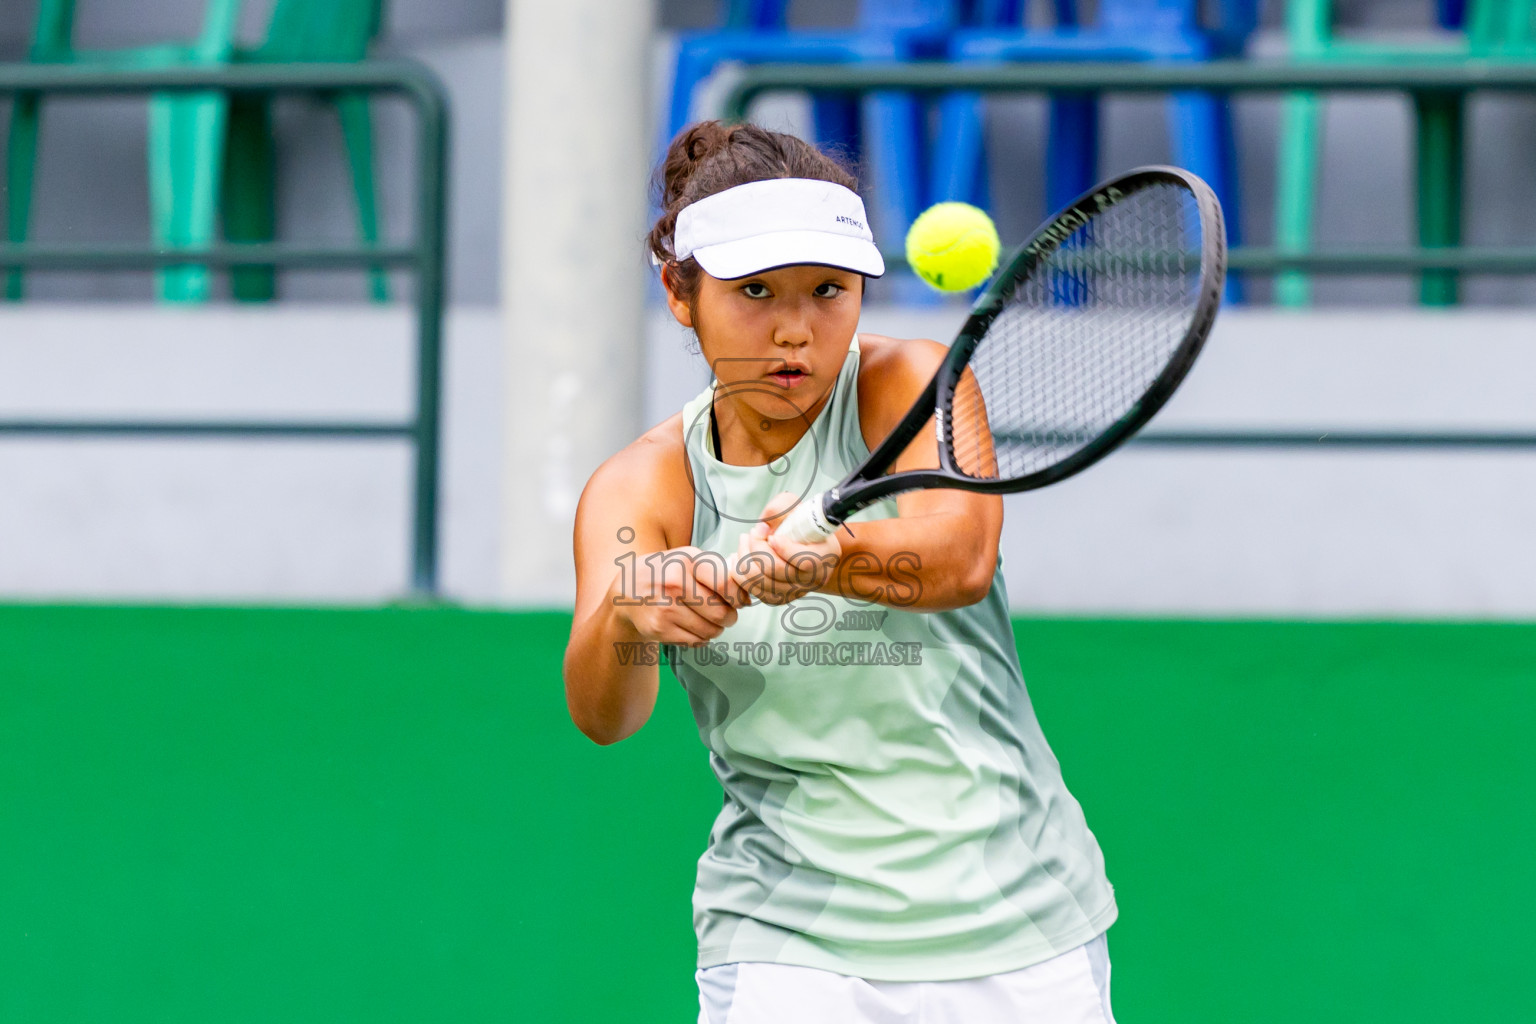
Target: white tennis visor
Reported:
[(776, 223)]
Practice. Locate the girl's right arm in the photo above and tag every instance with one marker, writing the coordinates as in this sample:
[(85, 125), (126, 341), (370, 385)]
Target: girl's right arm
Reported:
[(634, 590)]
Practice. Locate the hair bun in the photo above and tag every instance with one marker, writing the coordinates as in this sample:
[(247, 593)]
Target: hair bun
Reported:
[(705, 139), (693, 146)]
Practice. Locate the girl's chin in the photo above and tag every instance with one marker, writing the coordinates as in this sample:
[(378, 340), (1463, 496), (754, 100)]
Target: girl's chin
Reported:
[(797, 403)]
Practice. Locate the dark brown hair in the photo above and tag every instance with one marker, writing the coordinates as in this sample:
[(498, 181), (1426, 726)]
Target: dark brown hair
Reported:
[(711, 157)]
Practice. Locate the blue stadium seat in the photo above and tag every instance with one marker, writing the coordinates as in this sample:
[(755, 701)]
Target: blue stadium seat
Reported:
[(1451, 14), (884, 129), (1126, 30)]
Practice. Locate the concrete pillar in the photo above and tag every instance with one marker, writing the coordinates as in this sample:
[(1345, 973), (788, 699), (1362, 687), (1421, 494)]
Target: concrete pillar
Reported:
[(573, 290)]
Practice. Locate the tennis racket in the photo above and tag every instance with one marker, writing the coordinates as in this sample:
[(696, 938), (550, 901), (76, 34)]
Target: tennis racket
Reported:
[(1075, 344)]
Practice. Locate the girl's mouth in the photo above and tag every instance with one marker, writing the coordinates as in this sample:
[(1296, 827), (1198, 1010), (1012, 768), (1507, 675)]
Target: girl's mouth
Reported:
[(788, 377)]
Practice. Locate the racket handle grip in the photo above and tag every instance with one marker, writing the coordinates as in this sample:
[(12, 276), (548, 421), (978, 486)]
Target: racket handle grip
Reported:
[(807, 522)]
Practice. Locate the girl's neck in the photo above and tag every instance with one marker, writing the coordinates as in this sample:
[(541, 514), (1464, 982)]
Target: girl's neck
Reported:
[(750, 439)]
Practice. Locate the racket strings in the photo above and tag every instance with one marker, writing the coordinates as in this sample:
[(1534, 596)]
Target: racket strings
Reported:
[(1082, 338)]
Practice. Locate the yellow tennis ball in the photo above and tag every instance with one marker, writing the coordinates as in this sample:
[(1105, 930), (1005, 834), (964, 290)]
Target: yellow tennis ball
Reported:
[(953, 246)]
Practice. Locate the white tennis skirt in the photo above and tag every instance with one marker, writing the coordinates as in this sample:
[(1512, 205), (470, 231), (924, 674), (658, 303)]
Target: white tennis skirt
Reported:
[(1072, 988)]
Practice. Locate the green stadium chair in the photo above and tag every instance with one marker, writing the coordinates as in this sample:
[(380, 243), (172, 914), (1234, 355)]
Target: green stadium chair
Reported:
[(185, 137), (301, 30), (1494, 28), (207, 152)]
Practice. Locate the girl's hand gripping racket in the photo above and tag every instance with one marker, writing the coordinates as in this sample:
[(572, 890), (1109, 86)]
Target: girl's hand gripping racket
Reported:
[(1075, 344)]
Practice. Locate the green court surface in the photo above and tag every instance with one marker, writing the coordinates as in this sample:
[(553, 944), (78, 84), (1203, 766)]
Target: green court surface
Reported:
[(233, 815)]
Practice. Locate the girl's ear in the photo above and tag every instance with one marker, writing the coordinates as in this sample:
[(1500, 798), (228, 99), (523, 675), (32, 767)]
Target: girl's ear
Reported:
[(681, 311)]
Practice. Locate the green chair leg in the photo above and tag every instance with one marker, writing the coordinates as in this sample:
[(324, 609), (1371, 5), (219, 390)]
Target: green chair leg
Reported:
[(1296, 190), (186, 156), (21, 167), (1440, 127), (357, 131), (250, 208)]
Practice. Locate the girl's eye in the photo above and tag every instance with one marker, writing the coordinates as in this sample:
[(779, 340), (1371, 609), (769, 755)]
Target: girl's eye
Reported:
[(829, 290), (755, 290)]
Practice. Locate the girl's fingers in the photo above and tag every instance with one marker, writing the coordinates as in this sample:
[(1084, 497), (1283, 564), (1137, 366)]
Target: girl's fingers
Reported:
[(716, 607), (735, 596), (799, 570), (691, 621), (675, 630), (762, 566), (784, 594), (709, 591), (754, 564), (779, 506)]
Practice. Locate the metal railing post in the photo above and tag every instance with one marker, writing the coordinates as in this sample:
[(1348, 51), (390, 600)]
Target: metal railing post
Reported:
[(425, 256), (431, 228)]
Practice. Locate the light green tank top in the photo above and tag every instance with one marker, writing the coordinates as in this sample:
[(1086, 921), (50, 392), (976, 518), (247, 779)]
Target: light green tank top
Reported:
[(892, 810)]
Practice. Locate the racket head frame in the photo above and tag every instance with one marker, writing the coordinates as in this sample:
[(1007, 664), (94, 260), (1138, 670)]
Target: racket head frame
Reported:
[(864, 485), (1046, 240)]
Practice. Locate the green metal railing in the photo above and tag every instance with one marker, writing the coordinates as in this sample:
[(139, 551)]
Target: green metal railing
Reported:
[(424, 256), (1423, 80)]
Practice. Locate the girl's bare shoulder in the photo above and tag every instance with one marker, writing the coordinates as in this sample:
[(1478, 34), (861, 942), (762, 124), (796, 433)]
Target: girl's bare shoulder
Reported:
[(892, 374), (881, 357), (649, 478)]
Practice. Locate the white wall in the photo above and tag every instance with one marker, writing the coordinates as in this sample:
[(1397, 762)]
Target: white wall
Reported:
[(1322, 532)]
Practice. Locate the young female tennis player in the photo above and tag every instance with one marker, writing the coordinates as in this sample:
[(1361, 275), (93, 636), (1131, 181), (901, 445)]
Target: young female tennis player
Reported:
[(896, 842)]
